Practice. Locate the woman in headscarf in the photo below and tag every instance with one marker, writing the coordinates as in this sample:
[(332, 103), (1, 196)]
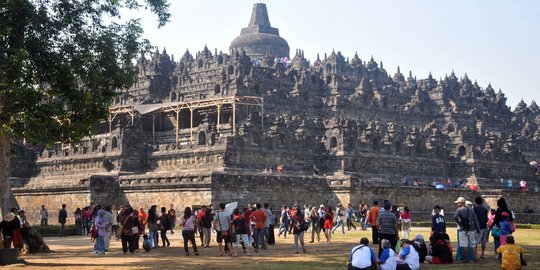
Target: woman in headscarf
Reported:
[(101, 225)]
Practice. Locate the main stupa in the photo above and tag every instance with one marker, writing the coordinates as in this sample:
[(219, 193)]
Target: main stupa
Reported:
[(260, 38)]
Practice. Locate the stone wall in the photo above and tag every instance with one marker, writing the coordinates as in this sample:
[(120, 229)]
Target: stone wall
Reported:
[(205, 187)]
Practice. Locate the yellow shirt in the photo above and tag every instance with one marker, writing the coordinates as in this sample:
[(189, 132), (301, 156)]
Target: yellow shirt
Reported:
[(510, 256)]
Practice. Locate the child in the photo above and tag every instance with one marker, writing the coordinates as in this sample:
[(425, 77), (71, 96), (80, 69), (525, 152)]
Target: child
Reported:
[(93, 234), (147, 244), (505, 227), (438, 223), (510, 254)]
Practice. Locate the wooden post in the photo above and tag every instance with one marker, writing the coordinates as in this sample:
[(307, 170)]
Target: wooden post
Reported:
[(177, 123), (218, 116), (191, 125), (234, 117), (153, 128)]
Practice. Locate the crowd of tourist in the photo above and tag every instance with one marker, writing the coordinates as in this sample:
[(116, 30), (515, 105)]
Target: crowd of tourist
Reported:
[(250, 230)]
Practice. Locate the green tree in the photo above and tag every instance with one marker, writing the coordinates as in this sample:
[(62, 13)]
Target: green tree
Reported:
[(61, 63)]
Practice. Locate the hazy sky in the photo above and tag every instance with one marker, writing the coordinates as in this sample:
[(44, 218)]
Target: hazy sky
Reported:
[(491, 41)]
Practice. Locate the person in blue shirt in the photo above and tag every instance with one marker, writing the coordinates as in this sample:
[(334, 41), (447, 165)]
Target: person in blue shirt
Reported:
[(362, 256), (349, 215), (147, 244), (408, 257), (438, 224)]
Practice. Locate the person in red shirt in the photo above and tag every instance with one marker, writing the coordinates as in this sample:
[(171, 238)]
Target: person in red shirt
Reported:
[(372, 219), (328, 224), (259, 217), (200, 215)]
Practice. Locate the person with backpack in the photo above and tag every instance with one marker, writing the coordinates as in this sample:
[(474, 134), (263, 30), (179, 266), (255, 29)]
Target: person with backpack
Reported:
[(339, 219), (298, 227), (467, 228), (165, 223), (506, 228), (241, 232), (189, 227)]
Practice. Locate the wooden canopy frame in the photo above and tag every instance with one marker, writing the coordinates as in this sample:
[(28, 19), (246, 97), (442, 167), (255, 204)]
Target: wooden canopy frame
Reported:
[(191, 106)]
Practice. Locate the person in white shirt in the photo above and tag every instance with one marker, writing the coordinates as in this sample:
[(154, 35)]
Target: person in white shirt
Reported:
[(362, 256), (408, 257)]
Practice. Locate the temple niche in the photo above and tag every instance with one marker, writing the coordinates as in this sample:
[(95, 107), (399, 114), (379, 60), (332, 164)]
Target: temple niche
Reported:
[(256, 107)]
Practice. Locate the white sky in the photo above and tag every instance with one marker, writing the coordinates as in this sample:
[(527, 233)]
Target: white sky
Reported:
[(491, 40)]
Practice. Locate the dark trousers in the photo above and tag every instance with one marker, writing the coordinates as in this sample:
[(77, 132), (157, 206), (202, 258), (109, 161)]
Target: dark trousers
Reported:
[(44, 222), (189, 236), (127, 244), (390, 237), (258, 234), (164, 238), (62, 229), (350, 224), (374, 234), (403, 267)]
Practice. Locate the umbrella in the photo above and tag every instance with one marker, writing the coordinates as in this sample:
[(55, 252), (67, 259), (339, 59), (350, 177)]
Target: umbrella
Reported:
[(440, 186), (230, 207)]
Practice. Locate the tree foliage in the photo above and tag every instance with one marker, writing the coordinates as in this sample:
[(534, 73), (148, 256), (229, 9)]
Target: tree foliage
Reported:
[(61, 63)]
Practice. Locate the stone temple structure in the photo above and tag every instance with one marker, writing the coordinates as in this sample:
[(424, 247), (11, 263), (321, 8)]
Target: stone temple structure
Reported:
[(203, 128)]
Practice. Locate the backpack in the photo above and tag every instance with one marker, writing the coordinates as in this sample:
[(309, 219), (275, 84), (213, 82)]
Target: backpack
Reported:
[(207, 221), (465, 222)]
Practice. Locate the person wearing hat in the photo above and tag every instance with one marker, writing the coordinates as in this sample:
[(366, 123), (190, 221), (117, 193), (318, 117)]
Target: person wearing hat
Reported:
[(468, 227), (7, 226)]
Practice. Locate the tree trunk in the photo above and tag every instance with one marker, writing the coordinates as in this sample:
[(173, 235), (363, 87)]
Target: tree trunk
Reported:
[(5, 185)]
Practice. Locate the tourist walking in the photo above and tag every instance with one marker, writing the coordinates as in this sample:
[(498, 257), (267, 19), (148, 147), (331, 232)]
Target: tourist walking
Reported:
[(350, 215), (372, 219), (269, 215), (284, 221), (259, 217), (171, 213), (130, 228), (221, 223), (297, 228), (315, 225), (339, 219), (388, 226), (165, 225), (241, 232), (405, 218), (62, 217), (206, 224), (44, 214), (108, 227), (101, 225), (199, 214), (153, 225), (189, 227), (328, 224), (114, 228), (78, 221), (271, 222)]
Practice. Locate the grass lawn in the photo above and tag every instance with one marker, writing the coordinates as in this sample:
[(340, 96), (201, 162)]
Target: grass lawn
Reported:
[(75, 252)]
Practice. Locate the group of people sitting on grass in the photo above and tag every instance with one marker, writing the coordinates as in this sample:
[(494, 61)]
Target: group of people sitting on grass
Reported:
[(474, 223)]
